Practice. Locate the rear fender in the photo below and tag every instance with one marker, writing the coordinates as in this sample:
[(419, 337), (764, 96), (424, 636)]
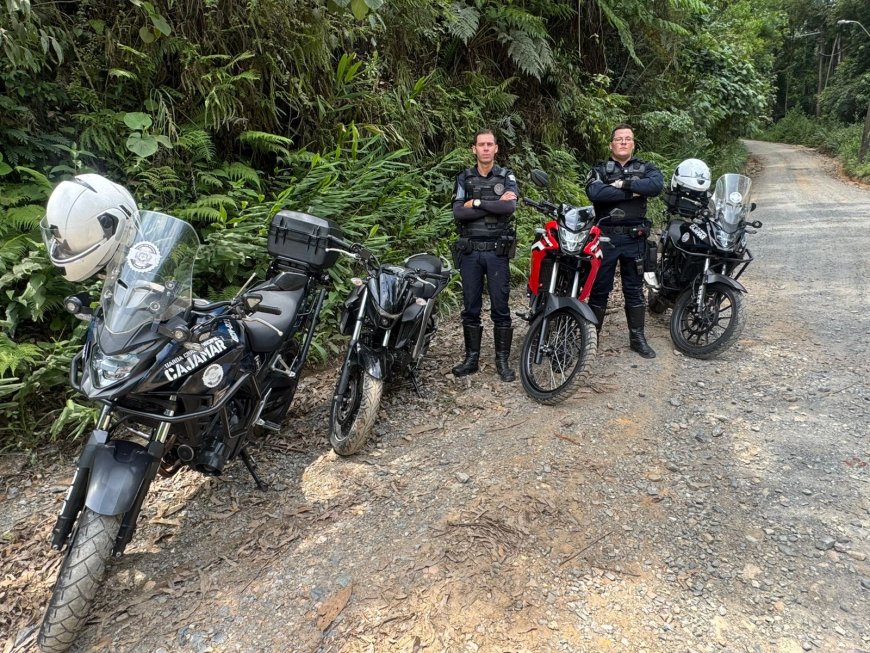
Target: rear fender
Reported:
[(555, 303)]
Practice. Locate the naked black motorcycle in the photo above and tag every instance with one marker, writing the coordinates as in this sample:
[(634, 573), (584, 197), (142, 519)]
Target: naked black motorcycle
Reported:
[(703, 253), (390, 318), (182, 383)]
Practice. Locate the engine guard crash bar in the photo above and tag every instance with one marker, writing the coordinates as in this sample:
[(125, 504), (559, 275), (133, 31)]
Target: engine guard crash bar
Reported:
[(177, 419), (740, 264)]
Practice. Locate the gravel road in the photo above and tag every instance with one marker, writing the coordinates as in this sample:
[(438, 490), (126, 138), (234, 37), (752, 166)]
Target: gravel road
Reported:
[(674, 505)]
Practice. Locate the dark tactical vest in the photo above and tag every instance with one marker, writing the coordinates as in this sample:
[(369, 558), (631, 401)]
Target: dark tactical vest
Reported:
[(635, 208), (486, 188)]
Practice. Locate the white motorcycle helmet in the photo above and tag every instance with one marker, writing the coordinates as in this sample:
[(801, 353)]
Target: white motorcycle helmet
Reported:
[(86, 220), (691, 175)]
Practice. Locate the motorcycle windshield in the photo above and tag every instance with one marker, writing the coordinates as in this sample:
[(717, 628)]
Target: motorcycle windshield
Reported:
[(731, 200), (151, 280)]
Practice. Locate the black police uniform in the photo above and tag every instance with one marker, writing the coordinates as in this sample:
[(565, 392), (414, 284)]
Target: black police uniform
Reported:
[(487, 241), (627, 235)]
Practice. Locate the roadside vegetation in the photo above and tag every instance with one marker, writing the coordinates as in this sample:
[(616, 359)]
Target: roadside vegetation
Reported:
[(357, 110)]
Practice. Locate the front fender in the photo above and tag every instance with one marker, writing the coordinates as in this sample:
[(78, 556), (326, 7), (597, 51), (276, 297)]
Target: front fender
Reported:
[(555, 303), (371, 360), (118, 472), (714, 277)]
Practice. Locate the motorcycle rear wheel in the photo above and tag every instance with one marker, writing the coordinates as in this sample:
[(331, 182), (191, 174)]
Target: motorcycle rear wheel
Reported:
[(353, 415), (569, 348), (81, 575), (715, 328)]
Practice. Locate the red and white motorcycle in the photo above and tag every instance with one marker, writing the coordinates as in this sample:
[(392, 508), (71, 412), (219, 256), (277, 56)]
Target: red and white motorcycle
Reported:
[(561, 342)]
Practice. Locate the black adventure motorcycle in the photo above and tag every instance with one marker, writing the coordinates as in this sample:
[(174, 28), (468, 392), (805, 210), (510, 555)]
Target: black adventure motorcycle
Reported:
[(182, 382), (703, 253), (390, 318)]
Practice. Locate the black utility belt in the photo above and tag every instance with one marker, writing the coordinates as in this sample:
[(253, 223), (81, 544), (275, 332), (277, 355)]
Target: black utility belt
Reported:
[(506, 245), (482, 245), (636, 230)]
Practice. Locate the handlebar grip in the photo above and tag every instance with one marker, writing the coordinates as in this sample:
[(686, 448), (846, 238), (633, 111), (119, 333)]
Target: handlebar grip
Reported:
[(529, 202), (271, 310)]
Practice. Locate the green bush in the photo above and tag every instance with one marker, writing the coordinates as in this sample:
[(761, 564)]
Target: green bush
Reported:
[(796, 128)]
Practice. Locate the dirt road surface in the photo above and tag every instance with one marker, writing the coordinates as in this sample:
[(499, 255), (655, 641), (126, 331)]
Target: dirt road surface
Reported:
[(674, 505)]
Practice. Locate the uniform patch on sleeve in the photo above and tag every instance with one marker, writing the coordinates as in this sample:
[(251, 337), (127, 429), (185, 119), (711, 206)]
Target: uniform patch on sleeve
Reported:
[(511, 177)]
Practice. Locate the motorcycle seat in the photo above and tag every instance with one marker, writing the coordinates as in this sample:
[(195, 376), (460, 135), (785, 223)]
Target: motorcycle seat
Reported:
[(430, 264), (424, 263), (261, 337)]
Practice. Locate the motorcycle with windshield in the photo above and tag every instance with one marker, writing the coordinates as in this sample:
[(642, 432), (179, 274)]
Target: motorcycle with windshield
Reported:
[(560, 343), (181, 382), (390, 316), (703, 254)]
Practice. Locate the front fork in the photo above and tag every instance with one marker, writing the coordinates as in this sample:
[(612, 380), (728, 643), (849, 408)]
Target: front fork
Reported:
[(701, 295), (100, 481), (75, 496), (539, 352)]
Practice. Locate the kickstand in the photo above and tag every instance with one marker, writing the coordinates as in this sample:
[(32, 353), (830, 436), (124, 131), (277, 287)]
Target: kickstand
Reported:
[(415, 379), (252, 468)]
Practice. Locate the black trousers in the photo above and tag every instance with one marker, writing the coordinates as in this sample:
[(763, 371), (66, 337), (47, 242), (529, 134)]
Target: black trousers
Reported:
[(473, 267), (626, 251)]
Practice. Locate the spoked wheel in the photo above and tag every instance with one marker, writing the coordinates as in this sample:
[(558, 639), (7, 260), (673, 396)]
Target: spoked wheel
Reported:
[(353, 415), (569, 345), (708, 332), (81, 575)]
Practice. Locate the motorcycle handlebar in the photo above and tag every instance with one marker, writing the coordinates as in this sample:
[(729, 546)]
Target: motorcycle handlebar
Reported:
[(542, 206), (354, 250), (208, 307)]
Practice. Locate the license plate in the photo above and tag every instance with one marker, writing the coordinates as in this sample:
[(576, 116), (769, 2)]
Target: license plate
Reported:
[(700, 233)]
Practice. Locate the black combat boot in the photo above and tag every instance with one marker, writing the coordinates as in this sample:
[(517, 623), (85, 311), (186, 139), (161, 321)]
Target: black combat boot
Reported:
[(503, 338), (472, 351), (599, 315), (635, 317)]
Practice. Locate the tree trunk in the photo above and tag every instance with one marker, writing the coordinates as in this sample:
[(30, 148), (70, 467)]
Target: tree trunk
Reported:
[(865, 137)]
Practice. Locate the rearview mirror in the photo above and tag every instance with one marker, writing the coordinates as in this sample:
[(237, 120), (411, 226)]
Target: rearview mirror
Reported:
[(540, 178), (752, 207), (252, 301)]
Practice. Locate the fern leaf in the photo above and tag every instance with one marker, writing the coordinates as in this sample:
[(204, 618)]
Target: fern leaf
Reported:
[(463, 21)]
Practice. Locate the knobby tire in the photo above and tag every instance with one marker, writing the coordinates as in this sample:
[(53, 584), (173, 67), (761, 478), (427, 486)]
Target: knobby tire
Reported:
[(571, 347), (80, 577), (706, 336)]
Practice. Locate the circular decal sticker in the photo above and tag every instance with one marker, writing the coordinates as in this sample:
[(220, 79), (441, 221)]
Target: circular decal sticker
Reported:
[(735, 197), (144, 256), (499, 189), (213, 375), (685, 237)]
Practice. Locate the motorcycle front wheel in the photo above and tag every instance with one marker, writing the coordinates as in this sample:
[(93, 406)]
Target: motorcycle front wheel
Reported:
[(567, 349), (707, 332), (353, 414), (81, 575)]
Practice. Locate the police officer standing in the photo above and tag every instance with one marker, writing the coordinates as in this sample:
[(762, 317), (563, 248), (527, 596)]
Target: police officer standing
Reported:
[(623, 182), (484, 202)]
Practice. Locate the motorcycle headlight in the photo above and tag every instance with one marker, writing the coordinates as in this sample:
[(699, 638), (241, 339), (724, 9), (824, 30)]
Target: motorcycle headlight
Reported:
[(571, 241), (108, 370), (725, 240)]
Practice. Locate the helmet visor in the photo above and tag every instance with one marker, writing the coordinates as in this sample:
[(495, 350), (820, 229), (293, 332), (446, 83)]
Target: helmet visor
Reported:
[(69, 244)]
